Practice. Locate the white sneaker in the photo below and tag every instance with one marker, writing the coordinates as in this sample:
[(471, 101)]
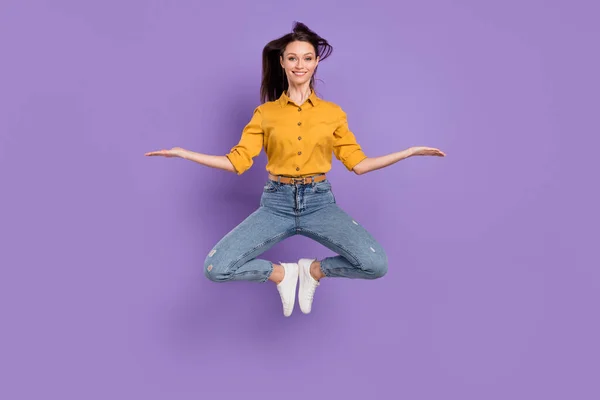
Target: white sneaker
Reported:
[(308, 285), (287, 287)]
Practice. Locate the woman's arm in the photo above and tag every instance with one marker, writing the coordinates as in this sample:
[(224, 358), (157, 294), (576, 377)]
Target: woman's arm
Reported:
[(220, 162), (238, 160), (374, 163)]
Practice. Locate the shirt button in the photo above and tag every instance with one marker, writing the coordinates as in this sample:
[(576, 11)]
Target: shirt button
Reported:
[(299, 137), (299, 109), (299, 123), (297, 169), (299, 153)]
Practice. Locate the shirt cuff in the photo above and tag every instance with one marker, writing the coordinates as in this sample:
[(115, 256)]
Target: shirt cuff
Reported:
[(354, 158), (237, 162)]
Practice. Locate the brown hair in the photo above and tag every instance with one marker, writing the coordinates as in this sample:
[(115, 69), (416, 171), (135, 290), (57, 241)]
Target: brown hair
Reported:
[(274, 82)]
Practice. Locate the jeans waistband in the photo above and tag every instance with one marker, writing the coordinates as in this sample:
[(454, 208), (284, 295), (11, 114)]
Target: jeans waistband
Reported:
[(290, 180)]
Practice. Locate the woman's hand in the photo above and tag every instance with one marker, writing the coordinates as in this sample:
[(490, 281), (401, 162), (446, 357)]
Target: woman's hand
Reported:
[(374, 163), (220, 162), (426, 151), (174, 152)]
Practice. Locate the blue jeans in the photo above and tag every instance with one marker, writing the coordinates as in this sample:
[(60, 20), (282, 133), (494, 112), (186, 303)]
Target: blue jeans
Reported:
[(296, 209)]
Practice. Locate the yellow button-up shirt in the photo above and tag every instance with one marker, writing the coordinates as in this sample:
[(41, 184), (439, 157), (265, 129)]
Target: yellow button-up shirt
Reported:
[(298, 140)]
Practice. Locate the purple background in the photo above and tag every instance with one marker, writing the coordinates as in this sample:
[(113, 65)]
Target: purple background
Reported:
[(493, 285)]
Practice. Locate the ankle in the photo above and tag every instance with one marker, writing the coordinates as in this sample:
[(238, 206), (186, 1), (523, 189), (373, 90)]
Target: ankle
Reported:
[(315, 270), (277, 274)]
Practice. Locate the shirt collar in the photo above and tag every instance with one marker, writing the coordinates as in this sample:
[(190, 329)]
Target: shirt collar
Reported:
[(312, 99)]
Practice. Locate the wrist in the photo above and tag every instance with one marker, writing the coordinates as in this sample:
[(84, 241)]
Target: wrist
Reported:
[(185, 154)]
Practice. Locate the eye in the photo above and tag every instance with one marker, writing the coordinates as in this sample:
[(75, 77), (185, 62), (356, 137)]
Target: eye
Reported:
[(291, 58), (308, 58)]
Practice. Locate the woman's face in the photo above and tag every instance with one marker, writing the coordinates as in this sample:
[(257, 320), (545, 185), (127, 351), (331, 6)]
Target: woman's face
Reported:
[(299, 61)]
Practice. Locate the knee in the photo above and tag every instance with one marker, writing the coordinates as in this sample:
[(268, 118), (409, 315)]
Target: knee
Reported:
[(377, 266), (380, 268), (214, 270)]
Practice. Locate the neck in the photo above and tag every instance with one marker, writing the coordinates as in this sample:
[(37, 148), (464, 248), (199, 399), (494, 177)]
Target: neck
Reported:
[(299, 93)]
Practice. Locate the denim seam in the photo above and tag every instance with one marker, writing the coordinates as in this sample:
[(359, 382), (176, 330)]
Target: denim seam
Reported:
[(335, 244), (264, 276), (262, 244), (328, 271)]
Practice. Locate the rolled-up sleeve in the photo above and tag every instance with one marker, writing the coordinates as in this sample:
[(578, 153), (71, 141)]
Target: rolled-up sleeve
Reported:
[(250, 144), (345, 147)]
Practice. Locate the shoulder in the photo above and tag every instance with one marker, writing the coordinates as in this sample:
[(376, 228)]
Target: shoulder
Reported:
[(329, 104), (331, 107), (269, 106)]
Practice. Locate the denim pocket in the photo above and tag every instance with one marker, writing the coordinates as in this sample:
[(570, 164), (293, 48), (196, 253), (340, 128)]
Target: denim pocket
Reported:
[(322, 187), (270, 187)]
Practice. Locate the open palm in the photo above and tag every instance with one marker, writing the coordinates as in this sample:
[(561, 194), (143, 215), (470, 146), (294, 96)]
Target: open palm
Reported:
[(174, 152), (426, 151)]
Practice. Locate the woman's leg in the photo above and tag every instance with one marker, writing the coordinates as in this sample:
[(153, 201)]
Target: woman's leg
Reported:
[(360, 255), (234, 257)]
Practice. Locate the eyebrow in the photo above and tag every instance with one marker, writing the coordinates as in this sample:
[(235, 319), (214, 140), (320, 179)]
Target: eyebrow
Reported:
[(307, 54)]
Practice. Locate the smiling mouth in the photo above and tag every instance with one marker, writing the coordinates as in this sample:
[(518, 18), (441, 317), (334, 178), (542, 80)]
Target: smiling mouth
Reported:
[(299, 73)]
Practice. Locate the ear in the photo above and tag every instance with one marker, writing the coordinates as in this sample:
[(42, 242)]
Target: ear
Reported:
[(318, 58), (281, 60)]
